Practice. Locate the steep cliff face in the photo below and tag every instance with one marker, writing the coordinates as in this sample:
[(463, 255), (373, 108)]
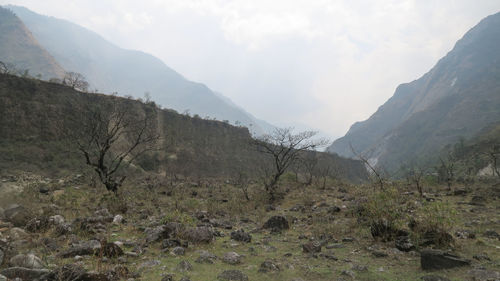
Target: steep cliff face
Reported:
[(19, 48), (456, 98)]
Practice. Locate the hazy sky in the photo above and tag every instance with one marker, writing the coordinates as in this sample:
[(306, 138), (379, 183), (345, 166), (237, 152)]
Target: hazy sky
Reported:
[(322, 63)]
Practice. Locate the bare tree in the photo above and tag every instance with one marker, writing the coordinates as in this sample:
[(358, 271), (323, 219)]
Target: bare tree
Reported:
[(415, 175), (7, 68), (243, 182), (76, 81), (446, 171), (494, 154), (283, 148), (378, 174), (111, 136), (309, 163)]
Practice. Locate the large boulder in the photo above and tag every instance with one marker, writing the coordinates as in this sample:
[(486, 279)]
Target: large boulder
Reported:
[(277, 223), (436, 259), (232, 275), (241, 235), (17, 215), (206, 257), (198, 234), (232, 258), (27, 261)]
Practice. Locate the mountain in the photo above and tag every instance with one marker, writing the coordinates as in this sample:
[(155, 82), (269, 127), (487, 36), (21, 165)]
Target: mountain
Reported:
[(110, 68), (19, 48), (34, 111), (456, 99)]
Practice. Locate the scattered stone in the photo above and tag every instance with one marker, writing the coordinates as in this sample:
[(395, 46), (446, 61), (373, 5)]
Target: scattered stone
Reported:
[(2, 255), (184, 266), (268, 266), (178, 251), (93, 247), (403, 244), (24, 273), (434, 278), (360, 268), (16, 233), (312, 247), (3, 278), (241, 235), (334, 209), (278, 223), (44, 190), (118, 219), (484, 275), (27, 261), (348, 273), (477, 200), (41, 224), (17, 215), (298, 208), (168, 277), (459, 191), (206, 257), (56, 220), (465, 234), (232, 258), (330, 256), (199, 234), (232, 275), (481, 257), (379, 254), (335, 246), (436, 259), (151, 263), (169, 243), (74, 273), (492, 234), (347, 239)]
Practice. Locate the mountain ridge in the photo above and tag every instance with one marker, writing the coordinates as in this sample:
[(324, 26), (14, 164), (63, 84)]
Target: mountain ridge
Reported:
[(456, 98)]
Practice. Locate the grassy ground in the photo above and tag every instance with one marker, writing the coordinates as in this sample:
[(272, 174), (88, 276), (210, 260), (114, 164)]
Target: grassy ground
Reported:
[(74, 198)]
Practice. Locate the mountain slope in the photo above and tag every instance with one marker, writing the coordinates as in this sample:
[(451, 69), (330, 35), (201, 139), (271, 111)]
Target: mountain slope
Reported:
[(20, 48), (112, 69), (456, 98)]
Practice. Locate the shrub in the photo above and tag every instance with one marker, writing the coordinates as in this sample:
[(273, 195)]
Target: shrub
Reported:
[(433, 223)]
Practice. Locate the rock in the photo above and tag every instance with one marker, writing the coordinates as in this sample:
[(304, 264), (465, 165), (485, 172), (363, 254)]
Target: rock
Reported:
[(150, 263), (18, 234), (481, 257), (232, 258), (168, 277), (90, 247), (118, 219), (156, 234), (403, 243), (184, 266), (198, 234), (178, 251), (2, 255), (278, 223), (484, 275), (44, 189), (27, 261), (169, 243), (379, 254), (360, 268), (232, 275), (347, 239), (436, 259), (477, 200), (56, 220), (311, 247), (24, 273), (436, 237), (268, 266), (465, 234), (17, 215), (3, 278), (75, 273), (241, 235), (434, 278), (2, 213), (40, 224), (492, 234), (206, 257), (334, 209), (459, 191)]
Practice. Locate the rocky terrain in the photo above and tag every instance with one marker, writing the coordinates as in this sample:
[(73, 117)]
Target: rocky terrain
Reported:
[(66, 229)]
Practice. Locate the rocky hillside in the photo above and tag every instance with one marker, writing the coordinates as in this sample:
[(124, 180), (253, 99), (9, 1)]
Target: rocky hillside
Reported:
[(110, 68), (457, 98), (19, 48), (191, 147)]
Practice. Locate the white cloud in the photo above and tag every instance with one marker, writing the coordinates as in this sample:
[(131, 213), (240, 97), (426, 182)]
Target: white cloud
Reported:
[(326, 63)]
